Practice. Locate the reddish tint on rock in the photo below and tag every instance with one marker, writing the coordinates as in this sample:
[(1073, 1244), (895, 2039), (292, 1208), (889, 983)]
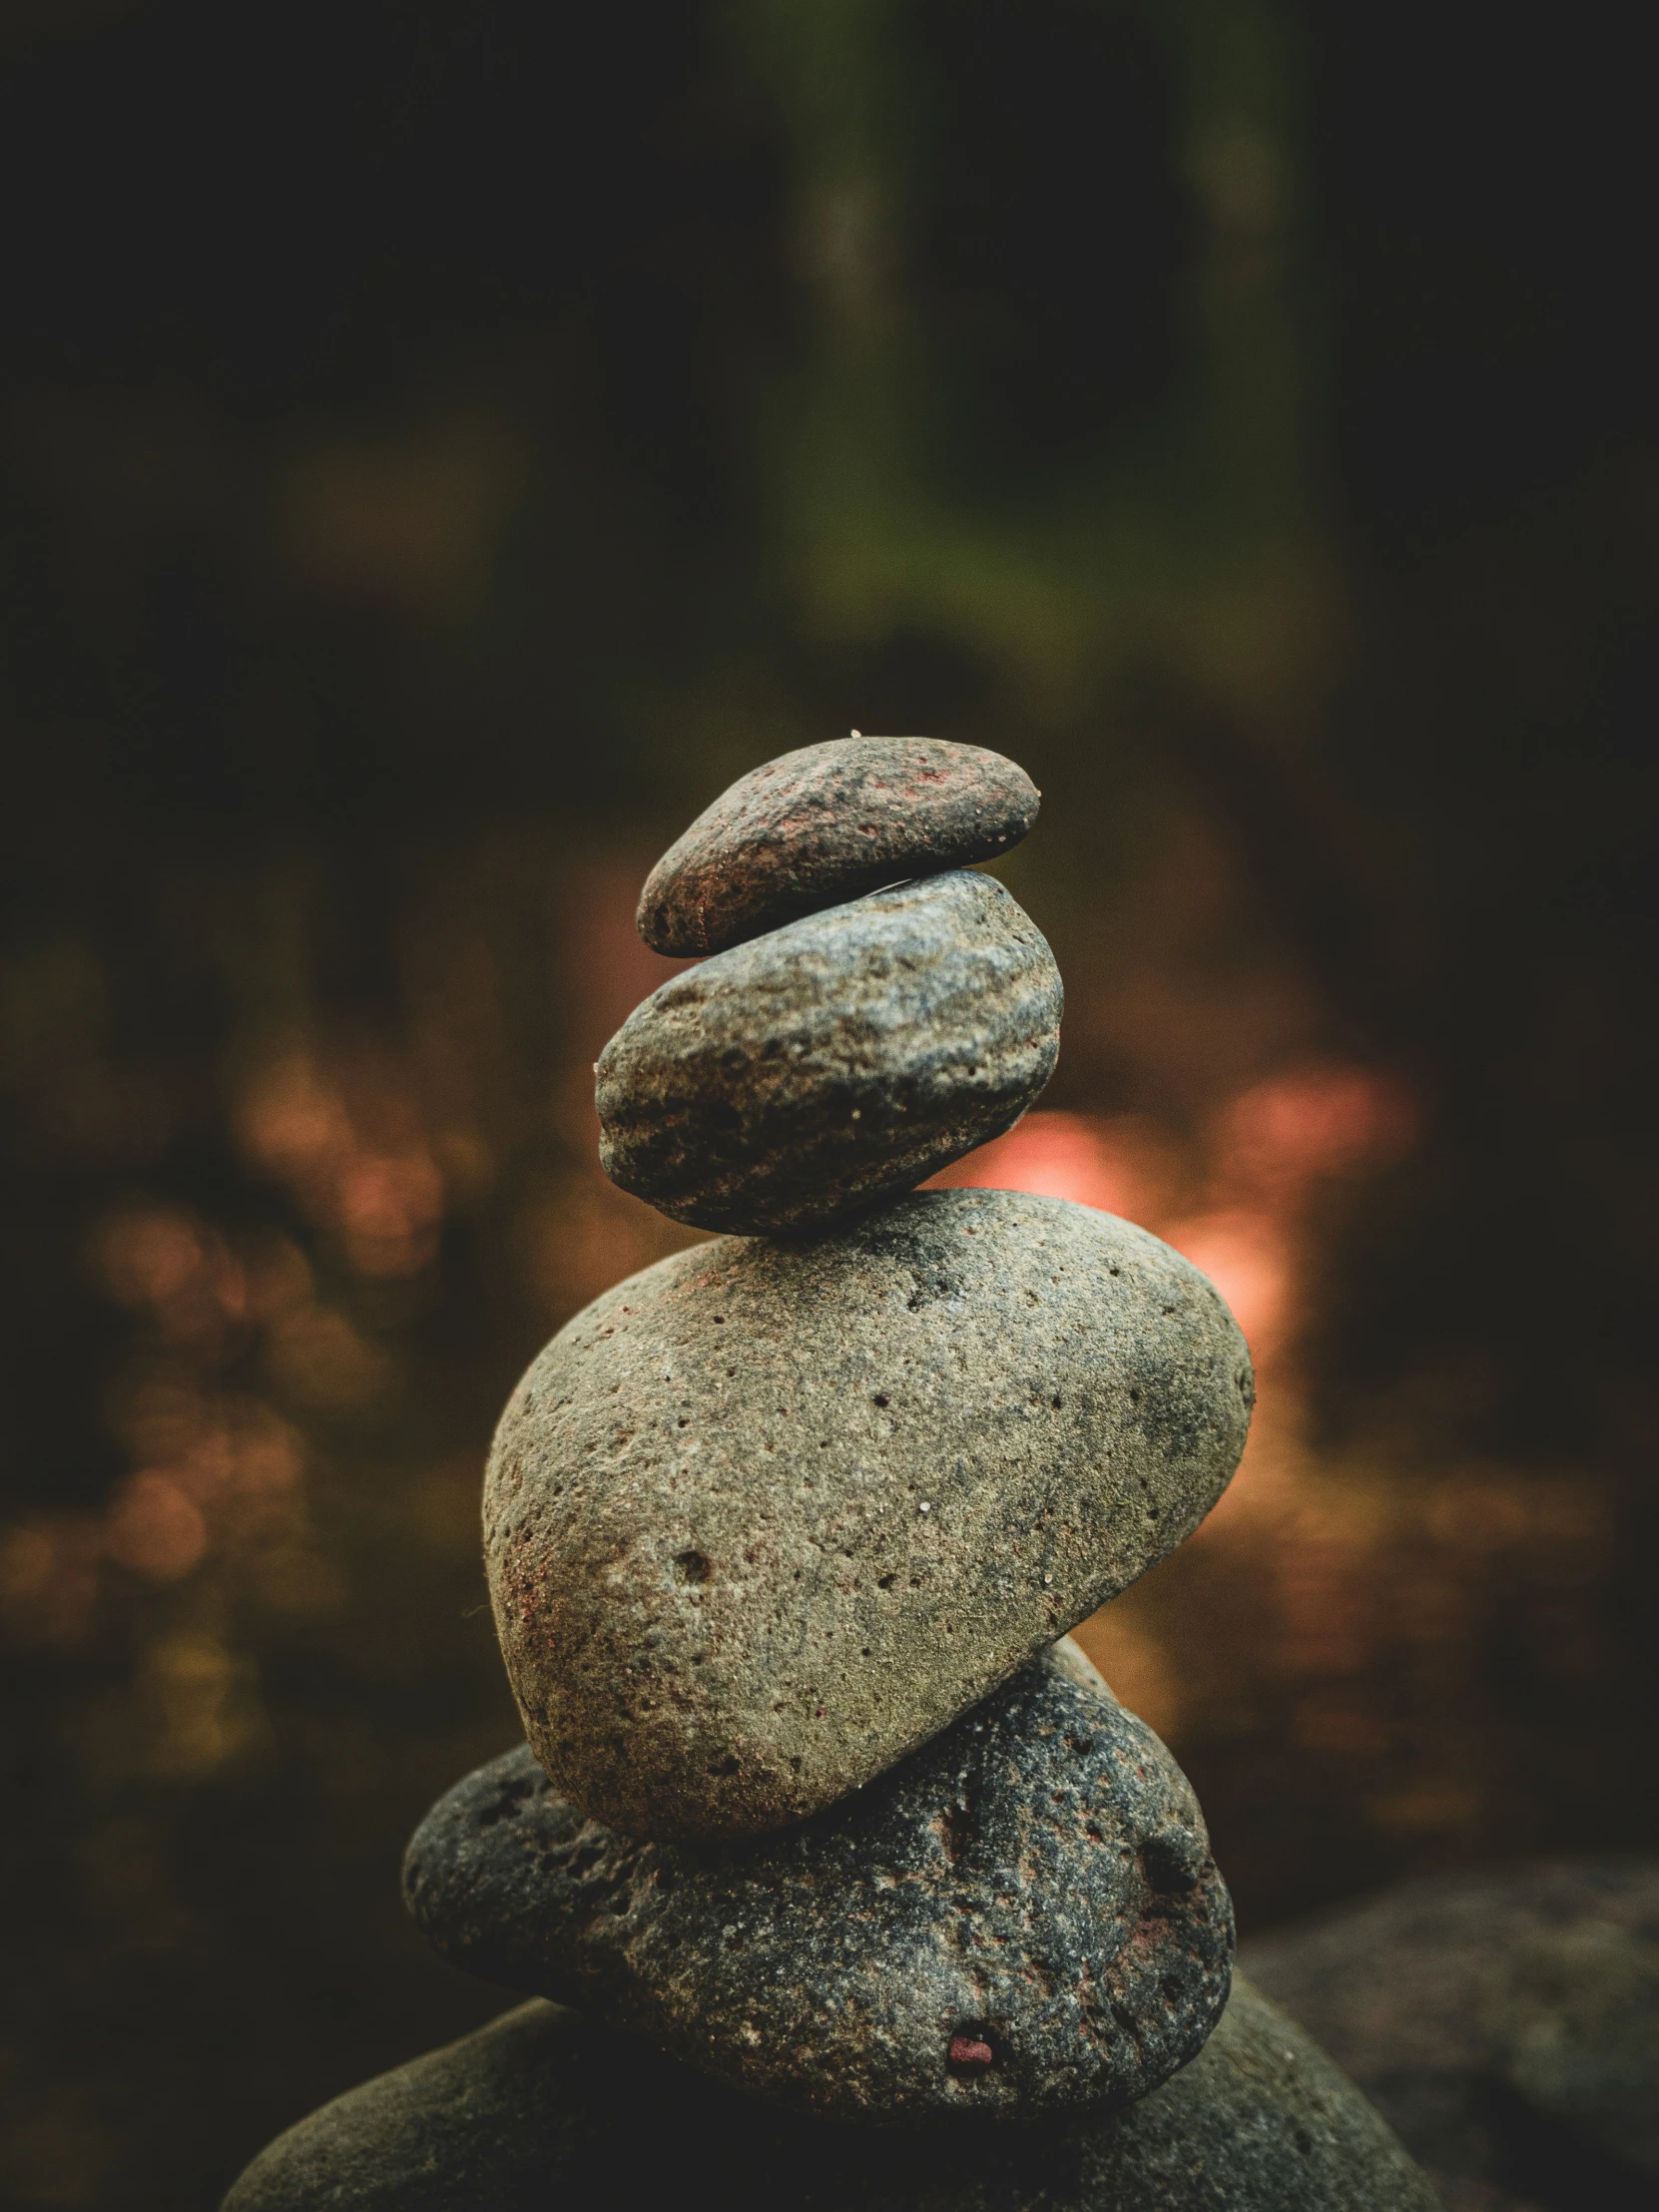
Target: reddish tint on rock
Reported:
[(966, 2051), (827, 824)]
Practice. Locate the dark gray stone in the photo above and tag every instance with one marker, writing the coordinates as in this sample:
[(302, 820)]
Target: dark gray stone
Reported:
[(762, 1520), (809, 1075), (1430, 1996), (1573, 2018), (543, 2109), (1034, 1887), (827, 824)]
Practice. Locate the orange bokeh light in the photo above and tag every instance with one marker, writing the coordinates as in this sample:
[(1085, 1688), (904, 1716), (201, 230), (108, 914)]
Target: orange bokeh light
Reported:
[(1114, 1165)]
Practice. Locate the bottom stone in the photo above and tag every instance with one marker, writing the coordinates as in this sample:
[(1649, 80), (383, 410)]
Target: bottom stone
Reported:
[(544, 2107)]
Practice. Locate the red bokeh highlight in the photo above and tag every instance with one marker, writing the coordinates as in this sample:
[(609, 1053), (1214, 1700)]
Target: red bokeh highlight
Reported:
[(1233, 1198), (1297, 1128), (1119, 1164)]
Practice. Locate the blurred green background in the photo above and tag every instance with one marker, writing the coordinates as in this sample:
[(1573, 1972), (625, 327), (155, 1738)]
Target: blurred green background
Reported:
[(440, 445)]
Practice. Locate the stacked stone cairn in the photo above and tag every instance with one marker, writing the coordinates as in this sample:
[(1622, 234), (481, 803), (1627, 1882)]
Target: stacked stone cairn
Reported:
[(867, 1889)]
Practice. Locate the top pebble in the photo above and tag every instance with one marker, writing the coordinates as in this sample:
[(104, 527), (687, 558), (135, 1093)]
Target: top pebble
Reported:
[(827, 824)]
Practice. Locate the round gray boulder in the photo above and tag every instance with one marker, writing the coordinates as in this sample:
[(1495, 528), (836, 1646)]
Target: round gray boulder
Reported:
[(1573, 2018), (1502, 2017), (1023, 1917), (545, 2108), (763, 1518), (818, 1070), (827, 824)]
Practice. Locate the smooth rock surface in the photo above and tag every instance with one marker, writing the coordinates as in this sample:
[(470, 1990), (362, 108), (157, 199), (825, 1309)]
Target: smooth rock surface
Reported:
[(763, 1518), (1573, 2018), (826, 823), (1429, 1993), (825, 1066), (544, 2109), (1033, 1888)]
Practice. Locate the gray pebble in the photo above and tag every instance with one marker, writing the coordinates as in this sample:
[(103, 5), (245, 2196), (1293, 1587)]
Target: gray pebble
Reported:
[(827, 824), (764, 1518), (828, 1065), (1437, 1998), (1024, 1917), (546, 2108)]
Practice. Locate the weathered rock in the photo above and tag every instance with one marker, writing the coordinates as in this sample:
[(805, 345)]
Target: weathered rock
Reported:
[(1573, 2018), (827, 824), (1419, 1994), (544, 2109), (1034, 1887), (762, 1520), (820, 1069)]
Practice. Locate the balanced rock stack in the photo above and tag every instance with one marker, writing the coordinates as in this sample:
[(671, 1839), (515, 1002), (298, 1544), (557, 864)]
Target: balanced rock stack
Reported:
[(849, 1857)]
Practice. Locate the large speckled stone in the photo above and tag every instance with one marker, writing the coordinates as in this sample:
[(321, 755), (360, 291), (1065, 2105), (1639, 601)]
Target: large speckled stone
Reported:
[(544, 2109), (1502, 2017), (824, 1067), (1033, 1888), (826, 823), (762, 1520)]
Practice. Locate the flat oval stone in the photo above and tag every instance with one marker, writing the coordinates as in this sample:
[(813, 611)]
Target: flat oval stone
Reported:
[(1023, 1918), (544, 2109), (826, 823), (765, 1518), (816, 1071)]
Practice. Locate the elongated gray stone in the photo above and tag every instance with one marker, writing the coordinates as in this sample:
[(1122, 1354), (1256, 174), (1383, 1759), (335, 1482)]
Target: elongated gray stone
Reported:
[(826, 823), (544, 2109), (824, 1067), (764, 1518), (1023, 1918)]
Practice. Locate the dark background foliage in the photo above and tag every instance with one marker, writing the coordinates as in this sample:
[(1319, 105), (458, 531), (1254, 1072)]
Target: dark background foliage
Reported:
[(441, 444)]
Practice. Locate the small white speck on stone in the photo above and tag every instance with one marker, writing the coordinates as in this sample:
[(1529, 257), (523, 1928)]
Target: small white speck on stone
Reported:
[(924, 1508)]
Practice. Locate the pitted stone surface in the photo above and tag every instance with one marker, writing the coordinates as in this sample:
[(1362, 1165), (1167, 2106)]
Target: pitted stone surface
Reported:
[(544, 2109), (1023, 1917), (827, 824), (764, 1518), (830, 1064)]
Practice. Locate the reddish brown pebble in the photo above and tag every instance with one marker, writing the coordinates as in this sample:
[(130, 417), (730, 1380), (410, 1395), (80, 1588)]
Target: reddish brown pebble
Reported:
[(829, 823), (964, 2051)]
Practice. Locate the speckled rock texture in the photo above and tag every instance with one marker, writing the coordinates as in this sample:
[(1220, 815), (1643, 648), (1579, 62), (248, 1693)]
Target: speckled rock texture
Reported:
[(544, 2109), (1496, 2016), (1034, 1889), (762, 1520), (827, 824), (810, 1074)]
